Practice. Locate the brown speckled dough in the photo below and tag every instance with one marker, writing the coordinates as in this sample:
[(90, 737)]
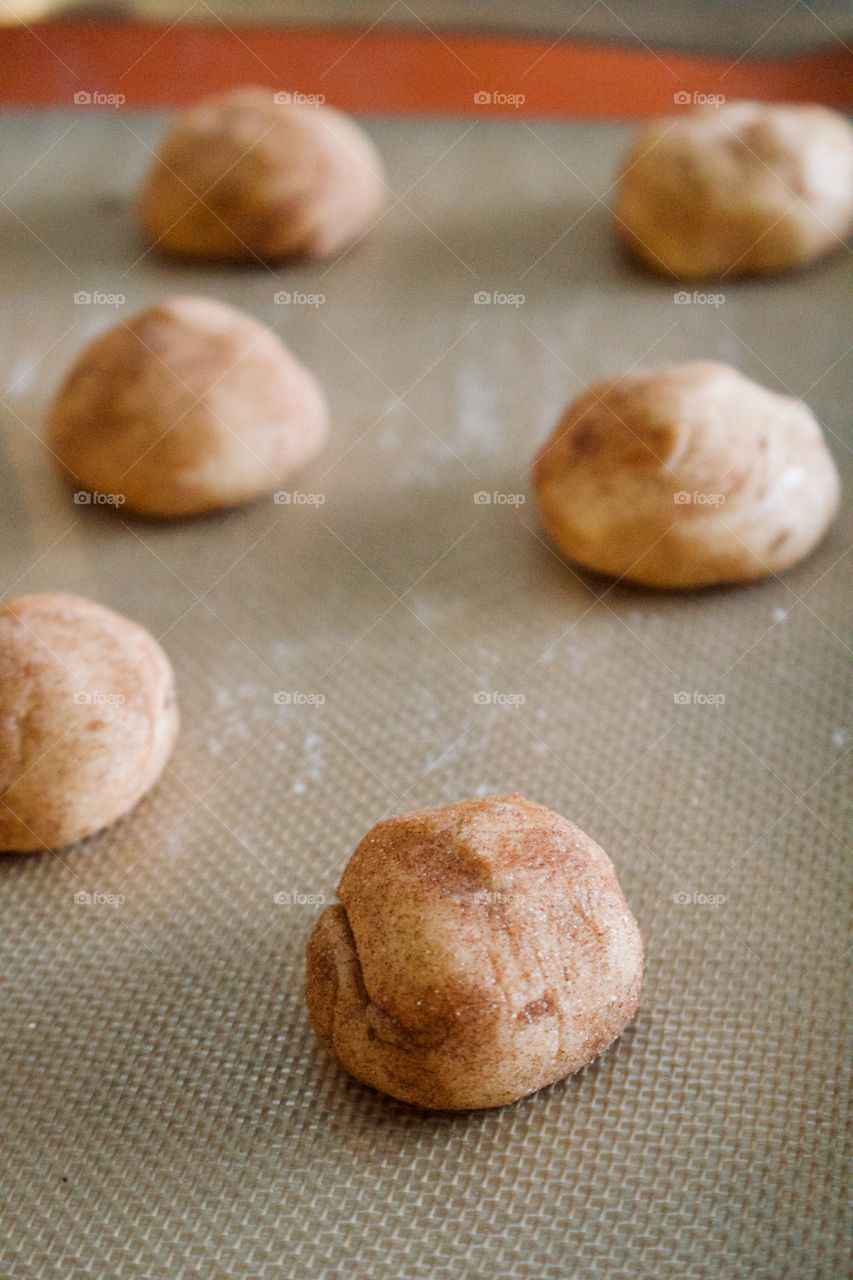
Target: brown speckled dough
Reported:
[(744, 188), (479, 952), (241, 175), (185, 408), (686, 476), (88, 713)]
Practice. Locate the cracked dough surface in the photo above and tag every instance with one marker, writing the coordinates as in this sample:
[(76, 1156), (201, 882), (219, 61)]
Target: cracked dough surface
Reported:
[(89, 718), (479, 952), (744, 188), (686, 476)]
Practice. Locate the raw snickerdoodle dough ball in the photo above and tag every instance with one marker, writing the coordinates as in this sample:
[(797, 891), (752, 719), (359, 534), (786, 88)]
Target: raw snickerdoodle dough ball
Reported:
[(746, 188), (187, 407), (686, 476), (247, 174), (87, 706), (478, 953)]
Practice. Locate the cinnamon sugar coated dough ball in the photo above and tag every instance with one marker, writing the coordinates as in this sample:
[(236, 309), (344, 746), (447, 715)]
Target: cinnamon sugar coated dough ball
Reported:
[(187, 407), (745, 188), (247, 174), (686, 476), (479, 952), (87, 706)]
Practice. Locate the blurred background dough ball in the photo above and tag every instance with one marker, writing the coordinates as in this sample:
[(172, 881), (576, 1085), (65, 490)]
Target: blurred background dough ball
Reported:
[(185, 408), (743, 188), (251, 173), (685, 476), (479, 952), (87, 705)]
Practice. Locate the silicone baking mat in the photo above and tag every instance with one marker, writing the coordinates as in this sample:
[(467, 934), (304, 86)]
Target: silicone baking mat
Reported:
[(398, 634)]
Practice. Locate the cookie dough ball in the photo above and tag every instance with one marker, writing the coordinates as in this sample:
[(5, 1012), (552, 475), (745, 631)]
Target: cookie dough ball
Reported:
[(247, 175), (478, 953), (741, 189), (87, 706), (686, 476), (188, 407)]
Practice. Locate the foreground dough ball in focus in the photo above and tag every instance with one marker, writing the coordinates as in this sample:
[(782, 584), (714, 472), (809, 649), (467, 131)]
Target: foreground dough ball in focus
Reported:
[(745, 188), (245, 175), (479, 952), (87, 705), (185, 408), (686, 476)]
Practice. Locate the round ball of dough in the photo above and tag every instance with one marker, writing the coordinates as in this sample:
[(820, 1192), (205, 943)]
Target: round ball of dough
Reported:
[(686, 476), (188, 407), (87, 705), (245, 175), (741, 189), (478, 953)]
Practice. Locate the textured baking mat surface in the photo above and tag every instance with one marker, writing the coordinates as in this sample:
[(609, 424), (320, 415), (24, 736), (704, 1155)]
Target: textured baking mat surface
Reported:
[(168, 1114)]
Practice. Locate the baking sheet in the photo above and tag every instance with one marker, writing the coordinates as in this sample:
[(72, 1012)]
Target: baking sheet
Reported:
[(167, 1111)]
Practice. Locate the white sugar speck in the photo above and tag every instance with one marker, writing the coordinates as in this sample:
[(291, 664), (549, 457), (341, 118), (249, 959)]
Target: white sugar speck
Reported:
[(312, 763)]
